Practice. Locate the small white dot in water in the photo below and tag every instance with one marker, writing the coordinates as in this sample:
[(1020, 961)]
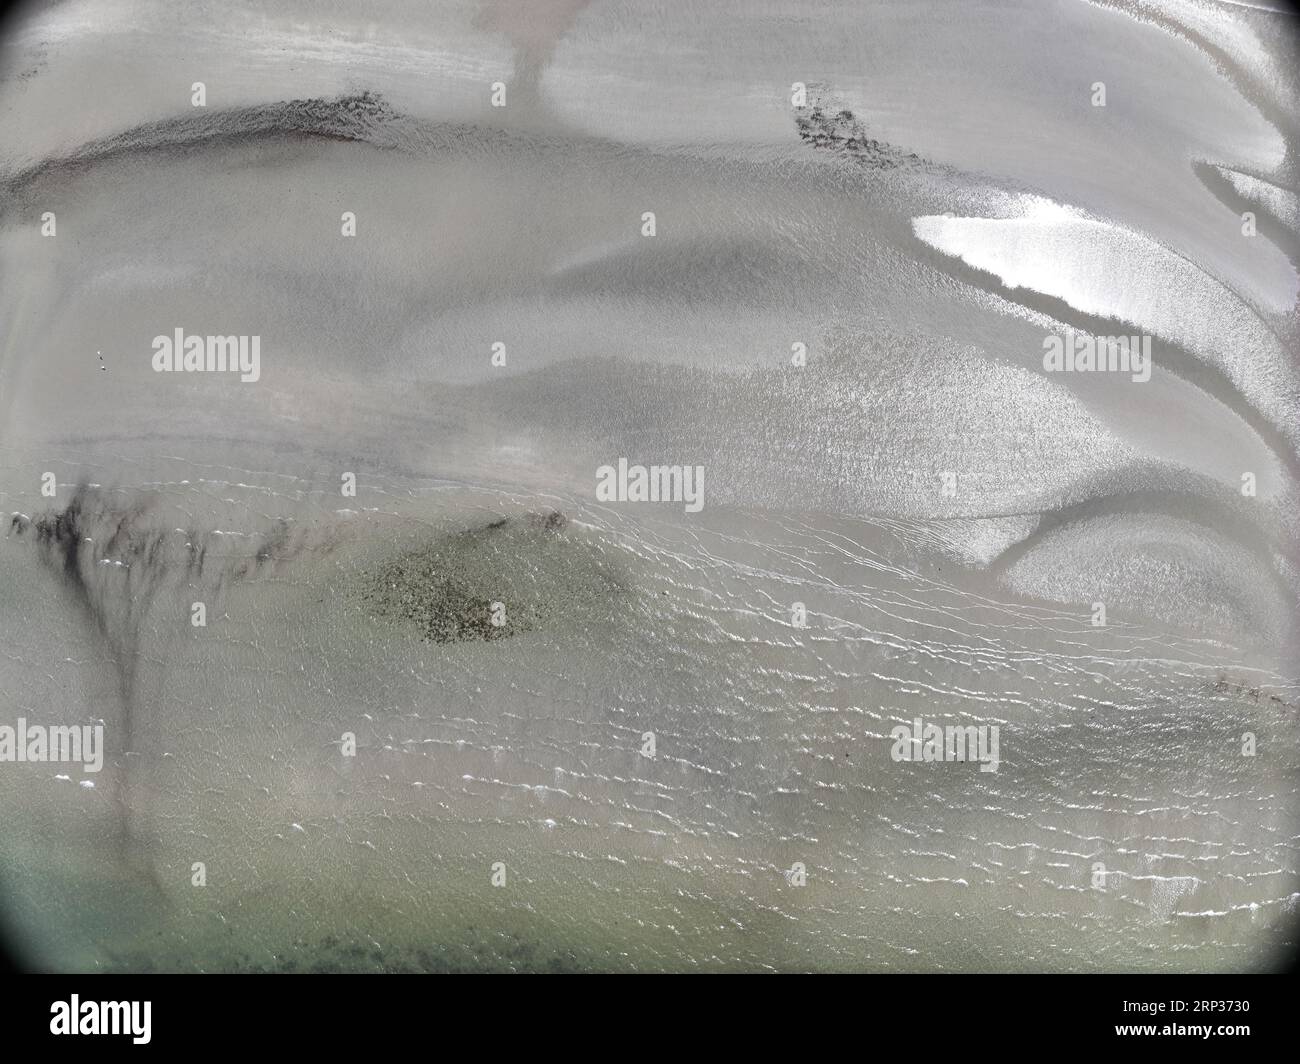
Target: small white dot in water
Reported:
[(61, 777), (88, 783), (297, 827)]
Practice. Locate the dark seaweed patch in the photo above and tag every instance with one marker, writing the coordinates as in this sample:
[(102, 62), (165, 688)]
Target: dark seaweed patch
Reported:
[(360, 118), (837, 129), (446, 589)]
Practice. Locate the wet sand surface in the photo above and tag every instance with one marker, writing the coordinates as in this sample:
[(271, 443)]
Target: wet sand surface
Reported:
[(918, 522)]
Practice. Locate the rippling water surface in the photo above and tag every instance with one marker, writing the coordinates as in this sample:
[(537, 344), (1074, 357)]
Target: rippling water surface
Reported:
[(918, 521)]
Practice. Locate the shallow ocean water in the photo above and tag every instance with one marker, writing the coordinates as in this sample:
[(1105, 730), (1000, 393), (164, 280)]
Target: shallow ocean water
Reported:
[(945, 513)]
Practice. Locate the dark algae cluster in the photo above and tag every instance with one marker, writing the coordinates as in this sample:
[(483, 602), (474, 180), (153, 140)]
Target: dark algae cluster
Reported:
[(503, 578), (825, 126)]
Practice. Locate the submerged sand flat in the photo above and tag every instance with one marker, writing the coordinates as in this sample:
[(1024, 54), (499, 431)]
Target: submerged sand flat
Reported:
[(839, 320)]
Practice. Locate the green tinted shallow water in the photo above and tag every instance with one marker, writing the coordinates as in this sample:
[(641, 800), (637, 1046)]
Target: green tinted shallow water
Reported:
[(527, 751)]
